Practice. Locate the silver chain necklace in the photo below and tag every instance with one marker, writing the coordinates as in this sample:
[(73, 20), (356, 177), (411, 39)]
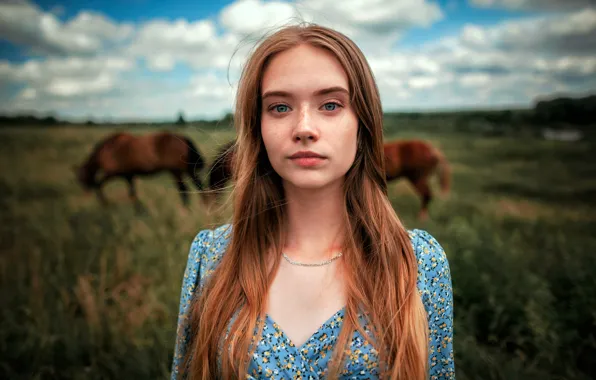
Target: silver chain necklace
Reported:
[(329, 261)]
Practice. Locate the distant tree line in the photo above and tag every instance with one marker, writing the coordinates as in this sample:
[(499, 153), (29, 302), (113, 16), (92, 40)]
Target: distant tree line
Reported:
[(554, 112), (29, 120), (557, 113), (579, 111), (48, 121)]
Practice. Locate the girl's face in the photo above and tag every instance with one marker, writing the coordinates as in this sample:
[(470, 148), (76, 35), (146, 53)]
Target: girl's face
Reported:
[(308, 125)]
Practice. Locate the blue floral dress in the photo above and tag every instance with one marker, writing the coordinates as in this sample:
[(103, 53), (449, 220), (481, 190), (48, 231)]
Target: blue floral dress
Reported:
[(277, 357)]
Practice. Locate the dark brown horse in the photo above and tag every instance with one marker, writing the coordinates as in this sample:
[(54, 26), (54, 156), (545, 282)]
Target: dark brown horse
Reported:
[(123, 155), (417, 160), (414, 160)]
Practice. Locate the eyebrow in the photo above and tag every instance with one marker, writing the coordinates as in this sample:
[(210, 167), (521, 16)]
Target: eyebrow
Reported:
[(320, 92)]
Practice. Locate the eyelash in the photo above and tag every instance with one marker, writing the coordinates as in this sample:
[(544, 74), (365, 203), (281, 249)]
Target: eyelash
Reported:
[(272, 107)]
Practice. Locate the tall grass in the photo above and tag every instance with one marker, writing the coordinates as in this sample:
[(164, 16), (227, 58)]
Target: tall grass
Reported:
[(90, 293)]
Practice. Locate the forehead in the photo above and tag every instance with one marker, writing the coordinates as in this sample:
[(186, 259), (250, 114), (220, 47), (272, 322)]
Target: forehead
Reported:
[(304, 68)]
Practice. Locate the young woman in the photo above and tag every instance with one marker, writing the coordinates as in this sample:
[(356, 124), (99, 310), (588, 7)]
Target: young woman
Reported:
[(315, 276)]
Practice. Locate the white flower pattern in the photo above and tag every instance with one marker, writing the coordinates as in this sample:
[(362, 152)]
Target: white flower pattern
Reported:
[(277, 357)]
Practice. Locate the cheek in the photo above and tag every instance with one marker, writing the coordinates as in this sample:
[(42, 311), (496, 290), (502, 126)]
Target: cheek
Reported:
[(270, 140), (350, 138), (265, 135), (350, 147)]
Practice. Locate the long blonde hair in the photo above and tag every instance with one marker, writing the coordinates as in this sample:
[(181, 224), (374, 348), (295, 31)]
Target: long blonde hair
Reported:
[(380, 265)]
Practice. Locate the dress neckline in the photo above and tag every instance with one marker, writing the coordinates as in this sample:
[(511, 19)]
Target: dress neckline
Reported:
[(329, 320)]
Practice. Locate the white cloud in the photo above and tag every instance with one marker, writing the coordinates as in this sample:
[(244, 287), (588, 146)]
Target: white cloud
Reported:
[(67, 87), (66, 77), (374, 16), (211, 87), (380, 17), (511, 62), (374, 24), (99, 26), (534, 4), (164, 43), (180, 32), (254, 16), (571, 33), (161, 62), (123, 97), (560, 46), (423, 82), (28, 94), (24, 24), (475, 80), (402, 63)]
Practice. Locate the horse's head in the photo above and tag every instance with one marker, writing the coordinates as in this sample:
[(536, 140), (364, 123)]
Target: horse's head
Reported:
[(85, 177)]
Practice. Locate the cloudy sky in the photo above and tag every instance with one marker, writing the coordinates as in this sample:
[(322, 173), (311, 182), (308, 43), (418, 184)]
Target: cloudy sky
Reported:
[(149, 59)]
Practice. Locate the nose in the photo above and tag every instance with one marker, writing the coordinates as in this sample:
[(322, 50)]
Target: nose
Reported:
[(305, 128)]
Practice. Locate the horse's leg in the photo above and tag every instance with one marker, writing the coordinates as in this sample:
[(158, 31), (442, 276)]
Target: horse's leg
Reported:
[(99, 189), (132, 193), (198, 184), (181, 186), (422, 187)]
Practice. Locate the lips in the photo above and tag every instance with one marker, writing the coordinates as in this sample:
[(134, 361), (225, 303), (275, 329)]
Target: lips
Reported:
[(306, 154)]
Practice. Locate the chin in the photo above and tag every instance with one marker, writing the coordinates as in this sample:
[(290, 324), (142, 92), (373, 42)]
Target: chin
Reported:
[(309, 181), (309, 185)]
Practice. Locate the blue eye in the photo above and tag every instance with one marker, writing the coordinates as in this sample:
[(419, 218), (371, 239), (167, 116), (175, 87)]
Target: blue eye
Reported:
[(281, 108), (330, 106)]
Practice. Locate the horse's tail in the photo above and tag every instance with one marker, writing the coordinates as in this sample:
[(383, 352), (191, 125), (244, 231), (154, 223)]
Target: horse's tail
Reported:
[(444, 172), (195, 162)]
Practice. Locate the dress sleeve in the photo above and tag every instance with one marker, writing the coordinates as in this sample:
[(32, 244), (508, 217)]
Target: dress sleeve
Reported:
[(434, 278), (192, 277)]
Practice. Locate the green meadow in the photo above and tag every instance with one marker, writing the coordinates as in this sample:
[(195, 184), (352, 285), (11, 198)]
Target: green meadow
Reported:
[(92, 293)]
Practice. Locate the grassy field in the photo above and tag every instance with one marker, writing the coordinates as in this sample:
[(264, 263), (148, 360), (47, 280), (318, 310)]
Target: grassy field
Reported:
[(90, 293)]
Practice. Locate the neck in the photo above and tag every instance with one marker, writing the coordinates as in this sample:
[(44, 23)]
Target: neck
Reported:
[(315, 222)]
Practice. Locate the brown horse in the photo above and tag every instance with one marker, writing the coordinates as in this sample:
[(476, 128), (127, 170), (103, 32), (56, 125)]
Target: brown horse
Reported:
[(414, 160), (417, 160), (123, 155)]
